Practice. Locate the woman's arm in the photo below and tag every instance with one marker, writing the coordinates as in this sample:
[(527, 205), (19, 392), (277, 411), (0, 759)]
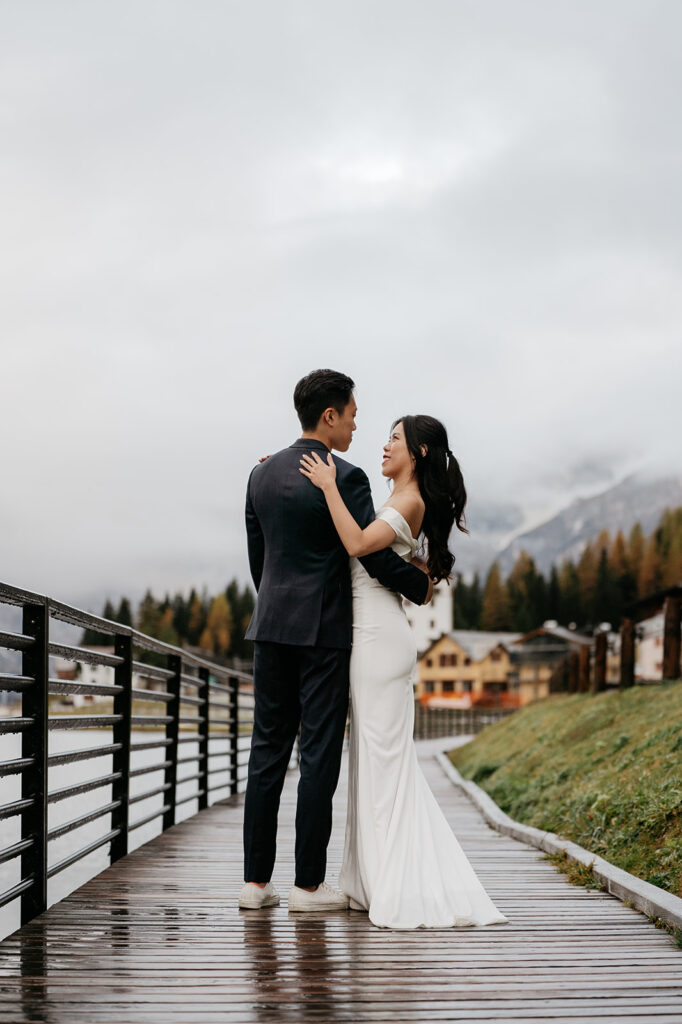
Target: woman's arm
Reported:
[(357, 542)]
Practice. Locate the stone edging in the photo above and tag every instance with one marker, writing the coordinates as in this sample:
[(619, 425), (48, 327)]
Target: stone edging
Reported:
[(648, 898)]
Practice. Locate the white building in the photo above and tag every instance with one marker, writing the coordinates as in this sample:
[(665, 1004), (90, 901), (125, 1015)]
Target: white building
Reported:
[(430, 621), (649, 648)]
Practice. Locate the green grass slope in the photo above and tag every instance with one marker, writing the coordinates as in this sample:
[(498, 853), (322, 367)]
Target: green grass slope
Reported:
[(603, 770)]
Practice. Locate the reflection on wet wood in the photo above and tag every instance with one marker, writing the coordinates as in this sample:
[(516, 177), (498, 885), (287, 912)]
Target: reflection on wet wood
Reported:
[(158, 937)]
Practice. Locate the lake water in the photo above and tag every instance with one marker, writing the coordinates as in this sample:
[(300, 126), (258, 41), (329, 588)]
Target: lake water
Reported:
[(65, 810)]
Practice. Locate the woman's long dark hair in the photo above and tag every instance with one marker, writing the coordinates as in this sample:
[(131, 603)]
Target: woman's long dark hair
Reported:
[(440, 485)]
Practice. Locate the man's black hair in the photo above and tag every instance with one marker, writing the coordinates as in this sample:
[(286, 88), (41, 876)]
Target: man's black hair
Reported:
[(317, 392)]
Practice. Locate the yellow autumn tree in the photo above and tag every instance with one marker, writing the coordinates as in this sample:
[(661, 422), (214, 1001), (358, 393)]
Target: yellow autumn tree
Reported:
[(218, 630), (495, 612)]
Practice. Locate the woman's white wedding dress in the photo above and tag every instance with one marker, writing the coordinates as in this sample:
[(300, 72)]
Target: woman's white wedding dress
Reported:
[(401, 861)]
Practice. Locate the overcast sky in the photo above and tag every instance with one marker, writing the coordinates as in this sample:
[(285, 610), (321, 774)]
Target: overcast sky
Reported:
[(473, 208)]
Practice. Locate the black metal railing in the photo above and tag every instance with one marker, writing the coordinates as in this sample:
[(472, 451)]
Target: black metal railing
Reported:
[(199, 703), (435, 723)]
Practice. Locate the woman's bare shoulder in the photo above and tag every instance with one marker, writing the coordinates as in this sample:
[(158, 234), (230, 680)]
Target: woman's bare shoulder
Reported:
[(411, 506)]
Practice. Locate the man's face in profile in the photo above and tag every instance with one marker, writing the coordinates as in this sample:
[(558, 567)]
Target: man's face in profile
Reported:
[(344, 427)]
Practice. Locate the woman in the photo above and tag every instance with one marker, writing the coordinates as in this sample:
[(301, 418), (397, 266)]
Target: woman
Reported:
[(401, 860)]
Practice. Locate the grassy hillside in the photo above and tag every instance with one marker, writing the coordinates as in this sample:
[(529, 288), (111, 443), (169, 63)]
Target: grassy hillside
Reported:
[(604, 771)]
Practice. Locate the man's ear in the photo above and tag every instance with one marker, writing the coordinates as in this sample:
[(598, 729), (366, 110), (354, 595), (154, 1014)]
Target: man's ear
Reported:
[(329, 416), (423, 448)]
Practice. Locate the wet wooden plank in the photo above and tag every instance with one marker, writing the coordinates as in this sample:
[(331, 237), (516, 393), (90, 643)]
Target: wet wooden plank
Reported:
[(158, 937)]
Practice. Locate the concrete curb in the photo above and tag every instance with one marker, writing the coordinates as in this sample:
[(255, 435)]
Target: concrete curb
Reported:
[(648, 898)]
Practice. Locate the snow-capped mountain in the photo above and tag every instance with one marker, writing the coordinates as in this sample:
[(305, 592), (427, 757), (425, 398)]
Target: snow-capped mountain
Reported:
[(637, 498)]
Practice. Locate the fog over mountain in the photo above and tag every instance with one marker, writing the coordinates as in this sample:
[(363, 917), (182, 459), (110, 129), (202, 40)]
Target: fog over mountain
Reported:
[(637, 498)]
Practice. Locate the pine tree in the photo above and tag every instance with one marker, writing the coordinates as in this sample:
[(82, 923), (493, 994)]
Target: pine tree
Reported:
[(495, 612), (554, 595), (587, 577), (571, 604), (650, 570), (527, 593), (196, 619), (124, 614), (636, 549), (181, 615), (149, 615), (669, 546)]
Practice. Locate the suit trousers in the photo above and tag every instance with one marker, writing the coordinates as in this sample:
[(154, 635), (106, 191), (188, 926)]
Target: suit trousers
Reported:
[(294, 685)]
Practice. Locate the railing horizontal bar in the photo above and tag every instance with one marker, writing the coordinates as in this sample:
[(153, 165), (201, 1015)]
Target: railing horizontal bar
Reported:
[(216, 771), (152, 671), (192, 757), (195, 701), (149, 817), (81, 721), (14, 684), (190, 680), (66, 686), (218, 686), (83, 755), (139, 797), (162, 742), (13, 851), (150, 719), (82, 787), (16, 890), (69, 826), (15, 766), (219, 736), (56, 868), (189, 739), (72, 653), (15, 641), (191, 719), (78, 617), (151, 768), (151, 695), (18, 596), (15, 807), (212, 789), (192, 796), (189, 778), (15, 724)]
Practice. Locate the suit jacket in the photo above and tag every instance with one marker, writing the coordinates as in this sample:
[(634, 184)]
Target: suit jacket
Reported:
[(298, 563)]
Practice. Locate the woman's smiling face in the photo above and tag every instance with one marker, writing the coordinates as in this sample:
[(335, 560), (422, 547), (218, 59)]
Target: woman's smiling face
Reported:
[(397, 457)]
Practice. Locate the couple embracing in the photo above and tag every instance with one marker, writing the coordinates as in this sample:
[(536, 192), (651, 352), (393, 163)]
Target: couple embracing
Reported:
[(322, 627)]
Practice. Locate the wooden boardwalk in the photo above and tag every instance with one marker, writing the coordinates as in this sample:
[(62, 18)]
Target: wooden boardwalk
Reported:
[(157, 937)]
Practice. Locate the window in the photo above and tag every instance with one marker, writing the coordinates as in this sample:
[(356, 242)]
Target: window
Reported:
[(495, 655), (442, 660), (467, 661), (447, 659), (448, 686), (467, 685), (428, 686), (429, 662)]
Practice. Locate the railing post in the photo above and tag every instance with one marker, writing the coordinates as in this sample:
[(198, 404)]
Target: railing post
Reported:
[(671, 638), (584, 669), (36, 623), (627, 653), (202, 694), (600, 649), (233, 683), (172, 729), (123, 704)]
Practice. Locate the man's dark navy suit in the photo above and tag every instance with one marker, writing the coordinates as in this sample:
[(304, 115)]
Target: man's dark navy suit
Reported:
[(302, 628)]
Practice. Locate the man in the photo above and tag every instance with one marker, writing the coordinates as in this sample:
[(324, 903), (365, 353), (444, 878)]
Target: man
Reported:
[(302, 628)]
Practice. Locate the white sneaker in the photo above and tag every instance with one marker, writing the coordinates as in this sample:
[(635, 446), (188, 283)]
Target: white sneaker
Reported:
[(324, 898), (252, 897)]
